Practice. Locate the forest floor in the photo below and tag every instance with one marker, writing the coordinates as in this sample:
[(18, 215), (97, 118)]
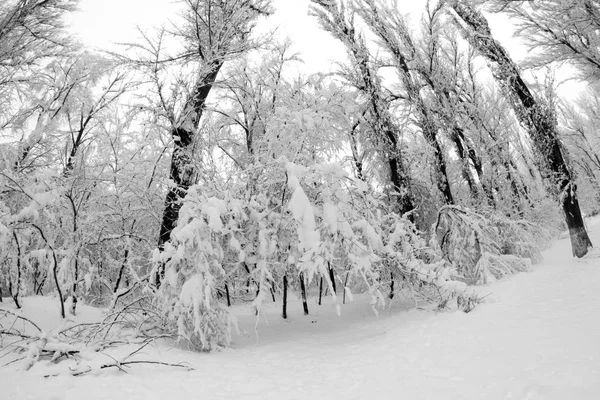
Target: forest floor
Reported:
[(536, 336)]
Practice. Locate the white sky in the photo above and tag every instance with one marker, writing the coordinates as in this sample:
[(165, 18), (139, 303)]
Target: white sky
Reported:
[(102, 23)]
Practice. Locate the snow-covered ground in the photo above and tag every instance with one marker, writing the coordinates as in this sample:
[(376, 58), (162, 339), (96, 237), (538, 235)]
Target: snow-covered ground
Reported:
[(536, 336)]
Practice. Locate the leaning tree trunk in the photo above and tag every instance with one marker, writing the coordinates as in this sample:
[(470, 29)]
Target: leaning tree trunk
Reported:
[(400, 45), (536, 117), (183, 171), (441, 174)]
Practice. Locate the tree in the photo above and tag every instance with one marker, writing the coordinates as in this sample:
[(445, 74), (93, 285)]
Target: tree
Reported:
[(31, 32), (386, 136), (213, 32), (580, 122), (538, 118), (395, 38)]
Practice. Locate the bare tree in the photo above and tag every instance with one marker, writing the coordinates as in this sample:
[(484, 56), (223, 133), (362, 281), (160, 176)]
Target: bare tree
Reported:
[(31, 31)]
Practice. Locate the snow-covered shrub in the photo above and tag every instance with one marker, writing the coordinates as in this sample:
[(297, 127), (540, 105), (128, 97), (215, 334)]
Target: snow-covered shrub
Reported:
[(313, 222), (195, 268), (483, 247)]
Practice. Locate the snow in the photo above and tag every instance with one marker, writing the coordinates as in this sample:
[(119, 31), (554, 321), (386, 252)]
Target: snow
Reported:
[(302, 211), (536, 336)]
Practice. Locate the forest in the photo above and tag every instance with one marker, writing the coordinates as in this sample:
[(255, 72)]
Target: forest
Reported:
[(196, 169)]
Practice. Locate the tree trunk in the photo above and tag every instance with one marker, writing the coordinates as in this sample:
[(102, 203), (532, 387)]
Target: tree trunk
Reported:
[(74, 287), (385, 133), (285, 290), (227, 294), (121, 270), (357, 159), (55, 273), (182, 171), (320, 290), (537, 118), (332, 277), (303, 292), (413, 89), (468, 156), (272, 291), (441, 174), (580, 241), (16, 293), (344, 289)]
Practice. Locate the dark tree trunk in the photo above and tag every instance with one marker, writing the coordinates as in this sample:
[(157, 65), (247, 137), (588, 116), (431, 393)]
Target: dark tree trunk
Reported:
[(272, 292), (227, 294), (303, 293), (182, 171), (77, 140), (441, 174), (74, 287), (537, 118), (55, 273), (121, 270), (580, 241), (391, 296), (332, 277), (285, 292), (320, 290), (15, 294)]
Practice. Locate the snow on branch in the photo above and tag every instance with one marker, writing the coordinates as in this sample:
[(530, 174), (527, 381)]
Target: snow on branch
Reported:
[(485, 247)]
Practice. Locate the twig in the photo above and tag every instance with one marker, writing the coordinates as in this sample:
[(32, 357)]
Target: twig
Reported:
[(23, 318), (121, 364)]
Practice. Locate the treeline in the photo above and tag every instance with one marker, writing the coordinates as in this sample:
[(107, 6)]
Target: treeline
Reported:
[(197, 170)]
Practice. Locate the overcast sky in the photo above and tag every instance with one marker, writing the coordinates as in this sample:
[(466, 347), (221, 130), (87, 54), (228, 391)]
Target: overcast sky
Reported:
[(101, 23)]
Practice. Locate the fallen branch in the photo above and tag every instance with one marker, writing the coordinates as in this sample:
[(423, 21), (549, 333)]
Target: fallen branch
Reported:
[(17, 316)]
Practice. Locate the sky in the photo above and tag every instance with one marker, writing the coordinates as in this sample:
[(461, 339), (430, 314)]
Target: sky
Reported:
[(100, 24), (103, 23)]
